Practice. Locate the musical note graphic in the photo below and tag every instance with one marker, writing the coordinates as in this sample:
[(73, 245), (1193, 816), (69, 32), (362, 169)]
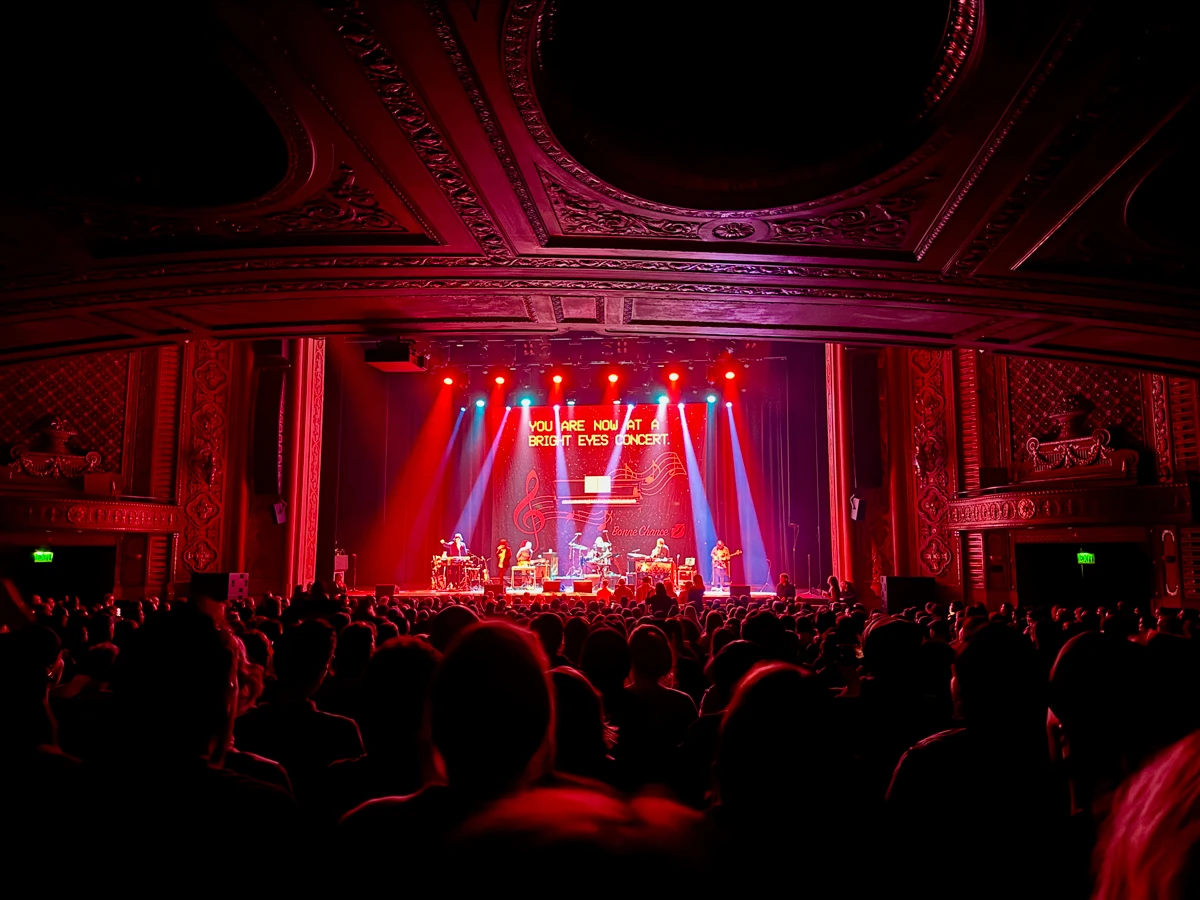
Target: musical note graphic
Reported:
[(527, 517), (653, 479)]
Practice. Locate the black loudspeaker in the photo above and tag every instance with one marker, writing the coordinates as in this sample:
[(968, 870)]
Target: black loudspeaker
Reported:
[(898, 592), (495, 588), (583, 587), (220, 586), (551, 584), (858, 509), (271, 363), (739, 590), (864, 420), (386, 590)]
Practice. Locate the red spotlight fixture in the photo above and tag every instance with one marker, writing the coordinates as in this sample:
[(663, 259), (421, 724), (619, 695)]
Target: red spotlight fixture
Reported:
[(557, 379), (500, 379), (612, 379), (730, 374), (672, 376), (447, 381)]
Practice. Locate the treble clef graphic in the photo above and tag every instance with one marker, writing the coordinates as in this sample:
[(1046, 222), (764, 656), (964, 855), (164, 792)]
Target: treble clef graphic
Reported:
[(527, 517)]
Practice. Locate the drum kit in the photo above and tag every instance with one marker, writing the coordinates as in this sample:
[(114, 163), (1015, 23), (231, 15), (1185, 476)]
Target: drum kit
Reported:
[(458, 573)]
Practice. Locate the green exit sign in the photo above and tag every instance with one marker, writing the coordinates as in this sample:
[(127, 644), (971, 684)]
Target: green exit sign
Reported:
[(43, 556), (1085, 559)]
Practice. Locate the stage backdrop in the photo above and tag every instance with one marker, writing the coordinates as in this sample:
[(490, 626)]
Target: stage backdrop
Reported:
[(568, 473), (407, 462)]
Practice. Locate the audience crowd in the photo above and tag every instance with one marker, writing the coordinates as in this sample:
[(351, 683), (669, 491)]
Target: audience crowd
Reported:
[(577, 745)]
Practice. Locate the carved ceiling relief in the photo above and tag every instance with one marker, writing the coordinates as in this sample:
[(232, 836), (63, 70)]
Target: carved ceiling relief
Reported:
[(343, 205), (85, 395)]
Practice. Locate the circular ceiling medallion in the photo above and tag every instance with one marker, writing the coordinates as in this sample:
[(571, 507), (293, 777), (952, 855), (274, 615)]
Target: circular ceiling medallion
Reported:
[(763, 105)]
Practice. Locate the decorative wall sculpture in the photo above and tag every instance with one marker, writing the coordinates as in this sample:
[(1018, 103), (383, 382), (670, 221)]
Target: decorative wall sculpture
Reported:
[(88, 391)]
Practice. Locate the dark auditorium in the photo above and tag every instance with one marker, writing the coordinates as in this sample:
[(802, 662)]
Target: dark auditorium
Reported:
[(472, 447)]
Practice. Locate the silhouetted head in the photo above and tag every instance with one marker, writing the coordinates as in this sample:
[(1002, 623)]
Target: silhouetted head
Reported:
[(575, 632), (177, 684), (355, 644), (727, 668), (579, 745), (778, 712), (448, 623), (891, 648), (303, 654), (490, 708), (605, 660), (650, 654), (998, 683), (394, 690), (548, 628)]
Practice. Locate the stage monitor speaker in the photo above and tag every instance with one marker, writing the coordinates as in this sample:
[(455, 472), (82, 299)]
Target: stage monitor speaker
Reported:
[(220, 586), (551, 584), (898, 592), (386, 590), (739, 590), (864, 419), (583, 587), (495, 588)]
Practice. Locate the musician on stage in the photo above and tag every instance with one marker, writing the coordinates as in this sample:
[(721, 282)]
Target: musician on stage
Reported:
[(525, 554), (456, 547), (503, 558), (720, 566), (601, 547), (660, 550)]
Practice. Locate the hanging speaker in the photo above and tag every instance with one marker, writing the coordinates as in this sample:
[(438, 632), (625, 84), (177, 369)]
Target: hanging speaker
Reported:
[(858, 509)]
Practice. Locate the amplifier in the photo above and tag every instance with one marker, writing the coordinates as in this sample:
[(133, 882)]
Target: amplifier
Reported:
[(551, 584), (386, 590), (739, 590), (583, 587)]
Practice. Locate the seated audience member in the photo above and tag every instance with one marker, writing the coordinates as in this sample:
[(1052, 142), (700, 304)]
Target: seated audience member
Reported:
[(397, 759), (696, 753), (548, 628), (785, 590), (622, 593), (644, 590), (665, 713), (604, 594), (340, 693), (491, 717), (290, 729), (1151, 847), (176, 694), (1001, 751), (575, 632), (574, 833), (660, 601), (581, 739), (782, 712), (695, 591)]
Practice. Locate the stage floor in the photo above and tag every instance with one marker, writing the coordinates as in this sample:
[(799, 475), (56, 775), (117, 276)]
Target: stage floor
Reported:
[(538, 593)]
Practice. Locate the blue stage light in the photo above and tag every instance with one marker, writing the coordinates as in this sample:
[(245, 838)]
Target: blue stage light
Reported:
[(662, 398), (525, 401), (712, 398), (480, 403), (462, 409), (570, 403), (729, 404), (556, 406)]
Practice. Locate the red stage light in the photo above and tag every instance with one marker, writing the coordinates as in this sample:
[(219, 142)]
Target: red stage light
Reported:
[(557, 379), (499, 379), (447, 380), (673, 376), (729, 374), (612, 379)]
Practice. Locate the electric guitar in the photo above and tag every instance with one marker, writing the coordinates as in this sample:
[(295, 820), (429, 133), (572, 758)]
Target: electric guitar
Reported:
[(724, 558)]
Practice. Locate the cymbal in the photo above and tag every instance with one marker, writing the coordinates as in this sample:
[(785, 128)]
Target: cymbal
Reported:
[(638, 555), (575, 546)]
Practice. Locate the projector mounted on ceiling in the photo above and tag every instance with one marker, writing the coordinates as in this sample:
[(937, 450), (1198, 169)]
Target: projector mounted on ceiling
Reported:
[(395, 356)]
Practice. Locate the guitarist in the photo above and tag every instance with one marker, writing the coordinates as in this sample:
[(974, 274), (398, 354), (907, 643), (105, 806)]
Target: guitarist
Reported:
[(720, 566)]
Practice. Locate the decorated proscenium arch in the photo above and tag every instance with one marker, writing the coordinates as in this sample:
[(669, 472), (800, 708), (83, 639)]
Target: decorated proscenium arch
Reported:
[(587, 469)]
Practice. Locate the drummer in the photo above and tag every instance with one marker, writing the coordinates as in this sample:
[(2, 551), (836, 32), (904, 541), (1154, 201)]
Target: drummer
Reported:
[(660, 550), (600, 547)]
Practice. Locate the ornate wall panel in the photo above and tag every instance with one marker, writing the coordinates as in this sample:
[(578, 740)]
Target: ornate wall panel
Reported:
[(1148, 504), (933, 458), (1038, 388), (1184, 404), (89, 391), (203, 444)]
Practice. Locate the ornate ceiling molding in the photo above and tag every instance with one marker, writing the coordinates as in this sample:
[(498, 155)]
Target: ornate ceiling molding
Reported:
[(75, 514), (394, 90), (343, 205), (521, 29), (579, 214), (448, 36)]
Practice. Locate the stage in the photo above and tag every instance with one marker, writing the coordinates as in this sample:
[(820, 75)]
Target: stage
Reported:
[(536, 593)]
